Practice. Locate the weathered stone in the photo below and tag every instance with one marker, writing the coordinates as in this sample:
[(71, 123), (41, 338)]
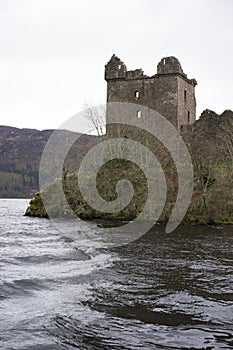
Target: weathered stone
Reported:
[(211, 122), (168, 92)]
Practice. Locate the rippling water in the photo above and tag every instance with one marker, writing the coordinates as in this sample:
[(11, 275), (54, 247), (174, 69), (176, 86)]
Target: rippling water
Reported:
[(164, 291)]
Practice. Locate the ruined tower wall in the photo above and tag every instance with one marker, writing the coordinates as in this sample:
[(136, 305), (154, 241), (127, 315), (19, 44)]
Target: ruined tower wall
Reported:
[(186, 104), (168, 92), (164, 97), (158, 93)]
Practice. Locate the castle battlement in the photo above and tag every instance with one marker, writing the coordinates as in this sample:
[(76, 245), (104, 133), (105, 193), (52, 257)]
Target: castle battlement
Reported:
[(169, 92)]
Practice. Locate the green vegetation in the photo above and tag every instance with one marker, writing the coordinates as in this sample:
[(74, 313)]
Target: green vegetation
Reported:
[(36, 207), (10, 183), (212, 201), (20, 154), (210, 144), (18, 180)]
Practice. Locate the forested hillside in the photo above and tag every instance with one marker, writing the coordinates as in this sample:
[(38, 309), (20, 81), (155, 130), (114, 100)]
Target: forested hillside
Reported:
[(20, 154)]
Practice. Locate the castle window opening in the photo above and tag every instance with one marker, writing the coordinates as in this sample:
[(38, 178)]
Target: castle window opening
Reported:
[(139, 114), (137, 95), (188, 117), (119, 66), (185, 95)]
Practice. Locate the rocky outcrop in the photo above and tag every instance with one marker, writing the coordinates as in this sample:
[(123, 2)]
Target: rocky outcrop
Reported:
[(210, 144), (212, 123)]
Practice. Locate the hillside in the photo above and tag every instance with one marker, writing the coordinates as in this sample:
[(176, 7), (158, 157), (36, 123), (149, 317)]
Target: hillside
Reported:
[(210, 145), (20, 154)]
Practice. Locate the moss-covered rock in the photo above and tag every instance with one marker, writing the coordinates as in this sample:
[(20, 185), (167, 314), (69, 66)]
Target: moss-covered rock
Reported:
[(36, 207), (214, 206), (212, 200)]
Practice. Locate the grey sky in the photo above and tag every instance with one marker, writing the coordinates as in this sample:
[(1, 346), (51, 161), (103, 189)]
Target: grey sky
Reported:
[(53, 52)]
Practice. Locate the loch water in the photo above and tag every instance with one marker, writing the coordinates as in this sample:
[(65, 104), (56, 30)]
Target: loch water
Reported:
[(163, 291)]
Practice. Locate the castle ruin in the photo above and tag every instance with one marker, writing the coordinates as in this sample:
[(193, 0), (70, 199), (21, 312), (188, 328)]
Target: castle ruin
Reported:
[(169, 92)]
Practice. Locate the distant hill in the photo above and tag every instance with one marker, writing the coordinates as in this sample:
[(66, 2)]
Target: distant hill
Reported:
[(20, 154)]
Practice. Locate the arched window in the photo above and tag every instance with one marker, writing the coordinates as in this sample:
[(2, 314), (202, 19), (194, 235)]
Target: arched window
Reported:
[(136, 94)]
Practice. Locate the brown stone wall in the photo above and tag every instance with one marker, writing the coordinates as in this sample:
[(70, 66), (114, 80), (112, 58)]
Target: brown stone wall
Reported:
[(186, 103), (168, 92), (158, 93), (163, 98)]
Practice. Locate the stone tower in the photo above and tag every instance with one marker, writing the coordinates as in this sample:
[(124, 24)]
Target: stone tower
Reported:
[(168, 92)]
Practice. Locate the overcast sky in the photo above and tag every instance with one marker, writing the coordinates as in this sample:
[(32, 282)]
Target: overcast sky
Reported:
[(53, 52)]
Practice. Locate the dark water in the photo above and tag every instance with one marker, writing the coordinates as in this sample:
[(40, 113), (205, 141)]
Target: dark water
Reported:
[(165, 291)]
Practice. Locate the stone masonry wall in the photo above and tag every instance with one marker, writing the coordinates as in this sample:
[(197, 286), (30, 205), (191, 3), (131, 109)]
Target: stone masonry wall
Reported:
[(168, 92)]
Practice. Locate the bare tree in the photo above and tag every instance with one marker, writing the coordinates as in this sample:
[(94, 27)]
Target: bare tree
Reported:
[(96, 117), (204, 173)]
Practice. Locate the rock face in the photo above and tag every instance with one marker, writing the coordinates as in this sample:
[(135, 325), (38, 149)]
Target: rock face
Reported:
[(213, 123), (36, 207)]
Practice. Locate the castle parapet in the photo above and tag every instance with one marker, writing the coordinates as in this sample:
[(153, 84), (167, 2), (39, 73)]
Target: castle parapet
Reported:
[(115, 69), (169, 91), (170, 65)]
